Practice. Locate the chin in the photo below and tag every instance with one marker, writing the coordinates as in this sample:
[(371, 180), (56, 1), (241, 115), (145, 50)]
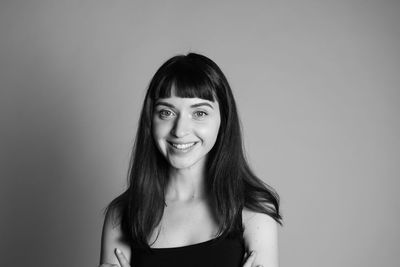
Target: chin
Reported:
[(184, 164)]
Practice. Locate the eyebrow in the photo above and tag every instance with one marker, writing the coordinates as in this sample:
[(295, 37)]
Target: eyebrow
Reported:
[(192, 106)]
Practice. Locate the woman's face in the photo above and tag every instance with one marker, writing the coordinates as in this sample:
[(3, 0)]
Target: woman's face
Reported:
[(185, 129)]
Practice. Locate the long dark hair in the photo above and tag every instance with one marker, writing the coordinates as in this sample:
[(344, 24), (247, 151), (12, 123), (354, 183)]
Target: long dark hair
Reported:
[(229, 179)]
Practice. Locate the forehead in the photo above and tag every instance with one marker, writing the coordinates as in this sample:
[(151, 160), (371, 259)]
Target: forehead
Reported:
[(186, 102)]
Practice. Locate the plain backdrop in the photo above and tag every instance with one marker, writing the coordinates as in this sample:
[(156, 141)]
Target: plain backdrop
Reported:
[(317, 87)]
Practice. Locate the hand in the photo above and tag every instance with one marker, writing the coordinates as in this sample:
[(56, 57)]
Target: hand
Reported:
[(250, 259), (121, 259)]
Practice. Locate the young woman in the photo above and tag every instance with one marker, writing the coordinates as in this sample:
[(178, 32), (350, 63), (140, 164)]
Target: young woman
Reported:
[(192, 199)]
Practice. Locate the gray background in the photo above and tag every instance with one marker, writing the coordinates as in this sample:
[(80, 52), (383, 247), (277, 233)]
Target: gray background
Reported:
[(317, 85)]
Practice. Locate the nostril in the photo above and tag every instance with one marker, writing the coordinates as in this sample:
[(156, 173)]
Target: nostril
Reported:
[(179, 133)]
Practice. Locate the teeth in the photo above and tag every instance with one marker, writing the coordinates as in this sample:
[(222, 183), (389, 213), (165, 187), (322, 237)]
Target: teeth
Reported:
[(182, 146)]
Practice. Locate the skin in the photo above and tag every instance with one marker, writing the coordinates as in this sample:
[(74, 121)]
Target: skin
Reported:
[(188, 217), (185, 120)]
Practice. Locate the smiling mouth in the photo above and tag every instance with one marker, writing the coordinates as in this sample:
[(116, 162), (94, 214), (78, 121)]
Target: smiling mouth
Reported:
[(182, 147)]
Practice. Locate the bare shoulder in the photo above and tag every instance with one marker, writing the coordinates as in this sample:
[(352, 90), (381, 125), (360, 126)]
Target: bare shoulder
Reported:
[(261, 235), (112, 237), (256, 219)]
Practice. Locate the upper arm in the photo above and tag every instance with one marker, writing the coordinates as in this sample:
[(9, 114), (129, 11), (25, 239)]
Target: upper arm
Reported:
[(261, 235), (112, 238)]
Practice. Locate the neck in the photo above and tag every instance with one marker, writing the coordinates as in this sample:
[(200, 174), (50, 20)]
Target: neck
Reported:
[(186, 184)]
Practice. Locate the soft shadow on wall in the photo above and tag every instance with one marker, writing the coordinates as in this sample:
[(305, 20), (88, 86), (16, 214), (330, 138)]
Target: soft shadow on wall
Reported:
[(317, 89)]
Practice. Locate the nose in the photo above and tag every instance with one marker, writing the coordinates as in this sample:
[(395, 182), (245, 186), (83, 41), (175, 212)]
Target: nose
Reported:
[(181, 127)]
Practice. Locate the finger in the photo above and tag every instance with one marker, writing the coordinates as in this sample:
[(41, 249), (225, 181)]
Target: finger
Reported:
[(121, 258), (108, 265), (250, 259)]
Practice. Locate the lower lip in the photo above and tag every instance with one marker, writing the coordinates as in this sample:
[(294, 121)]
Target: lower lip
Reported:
[(182, 150)]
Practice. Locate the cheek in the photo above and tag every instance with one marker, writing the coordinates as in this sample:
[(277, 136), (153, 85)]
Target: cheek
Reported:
[(210, 133), (160, 130)]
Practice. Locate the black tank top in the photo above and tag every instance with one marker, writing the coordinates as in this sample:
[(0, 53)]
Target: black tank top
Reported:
[(219, 252)]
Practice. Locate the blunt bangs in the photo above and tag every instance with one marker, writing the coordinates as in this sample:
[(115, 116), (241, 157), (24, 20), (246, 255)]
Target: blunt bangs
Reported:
[(185, 79)]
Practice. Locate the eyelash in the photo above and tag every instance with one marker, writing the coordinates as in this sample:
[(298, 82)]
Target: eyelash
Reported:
[(164, 114), (163, 111), (204, 114)]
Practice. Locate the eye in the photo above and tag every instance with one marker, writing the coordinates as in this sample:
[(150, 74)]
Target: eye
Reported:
[(165, 113), (200, 114)]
